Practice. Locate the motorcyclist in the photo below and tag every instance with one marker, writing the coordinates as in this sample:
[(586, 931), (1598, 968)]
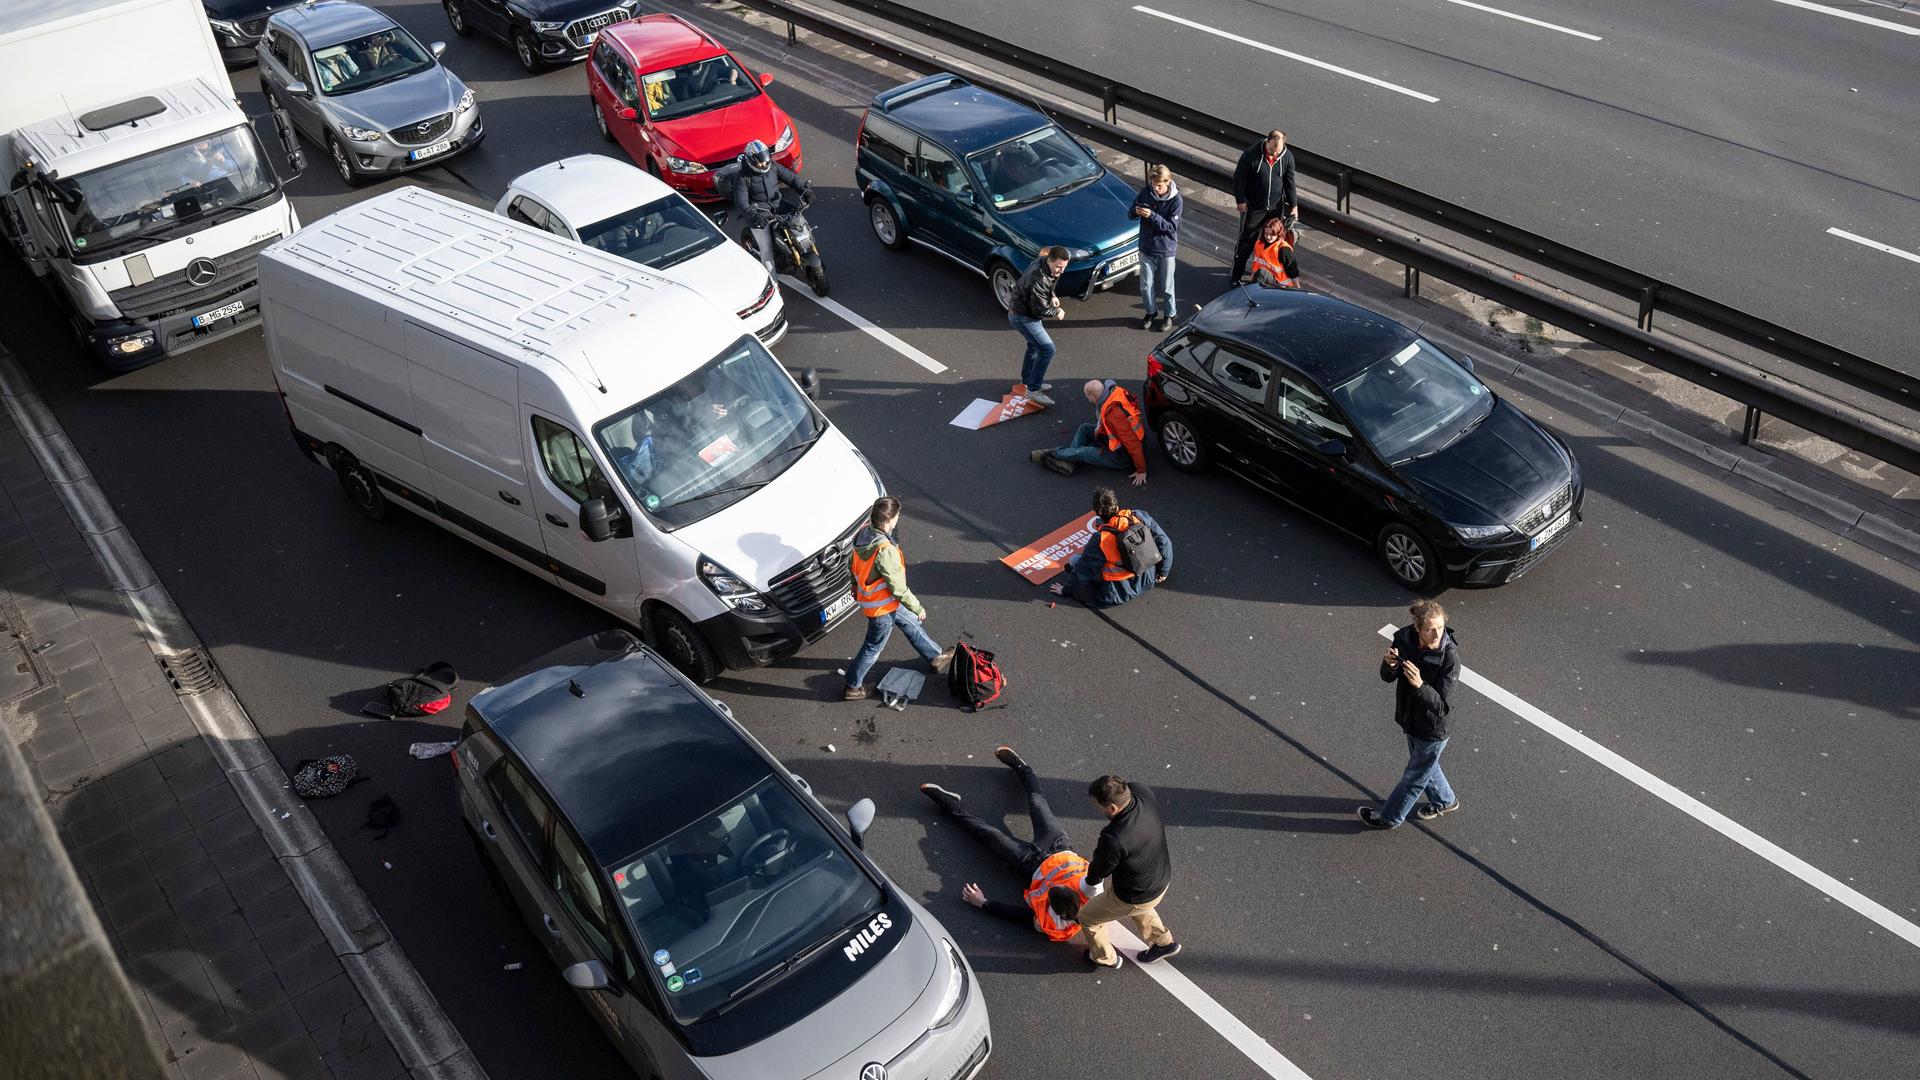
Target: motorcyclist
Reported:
[(756, 194)]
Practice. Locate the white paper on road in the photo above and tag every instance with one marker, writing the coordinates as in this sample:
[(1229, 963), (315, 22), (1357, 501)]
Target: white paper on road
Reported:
[(972, 416)]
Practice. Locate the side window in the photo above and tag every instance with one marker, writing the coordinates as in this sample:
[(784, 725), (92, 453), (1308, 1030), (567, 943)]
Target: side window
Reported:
[(938, 168), (623, 82), (297, 66), (277, 45), (527, 212), (579, 890), (568, 462), (526, 811), (1308, 411), (887, 141), (1242, 376)]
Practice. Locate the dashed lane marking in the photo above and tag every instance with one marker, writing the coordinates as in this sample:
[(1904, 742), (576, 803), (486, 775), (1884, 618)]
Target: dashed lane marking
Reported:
[(1838, 14), (1244, 1039), (1264, 47), (1875, 244), (796, 287), (1692, 807), (1524, 19)]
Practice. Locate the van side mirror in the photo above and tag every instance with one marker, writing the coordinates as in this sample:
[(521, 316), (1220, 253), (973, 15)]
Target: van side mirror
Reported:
[(586, 975), (597, 519), (299, 89), (766, 78), (859, 820), (437, 48), (810, 383)]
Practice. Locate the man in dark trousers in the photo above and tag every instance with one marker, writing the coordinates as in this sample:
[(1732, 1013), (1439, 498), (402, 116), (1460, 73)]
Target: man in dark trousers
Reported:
[(1132, 859), (1112, 440), (1056, 877), (1423, 663), (1034, 302), (1262, 184)]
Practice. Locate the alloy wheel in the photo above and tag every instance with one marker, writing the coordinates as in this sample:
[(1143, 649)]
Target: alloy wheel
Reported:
[(1405, 557), (340, 162), (1004, 282), (884, 226), (1180, 443), (455, 19)]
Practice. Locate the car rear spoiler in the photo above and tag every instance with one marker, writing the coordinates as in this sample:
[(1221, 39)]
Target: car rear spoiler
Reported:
[(889, 99)]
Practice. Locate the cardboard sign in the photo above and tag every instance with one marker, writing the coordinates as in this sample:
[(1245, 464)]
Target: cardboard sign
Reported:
[(1042, 560), (718, 450), (984, 414)]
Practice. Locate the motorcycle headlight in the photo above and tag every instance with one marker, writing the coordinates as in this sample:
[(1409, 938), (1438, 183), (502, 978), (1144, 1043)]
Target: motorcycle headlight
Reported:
[(360, 134), (546, 27), (953, 996), (1480, 532), (466, 101), (681, 165), (785, 140), (729, 587)]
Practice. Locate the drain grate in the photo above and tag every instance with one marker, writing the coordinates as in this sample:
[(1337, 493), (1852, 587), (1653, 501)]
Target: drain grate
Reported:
[(189, 672)]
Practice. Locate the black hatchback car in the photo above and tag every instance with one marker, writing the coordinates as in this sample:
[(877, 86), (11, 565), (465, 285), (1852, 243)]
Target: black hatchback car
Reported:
[(1360, 422)]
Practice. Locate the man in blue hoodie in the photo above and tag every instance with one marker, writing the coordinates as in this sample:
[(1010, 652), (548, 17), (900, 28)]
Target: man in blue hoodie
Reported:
[(1158, 207)]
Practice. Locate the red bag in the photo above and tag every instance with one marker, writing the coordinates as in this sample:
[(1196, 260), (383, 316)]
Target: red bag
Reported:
[(975, 678)]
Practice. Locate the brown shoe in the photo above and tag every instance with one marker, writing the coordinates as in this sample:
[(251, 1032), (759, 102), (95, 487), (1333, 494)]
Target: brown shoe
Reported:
[(1039, 457), (942, 662), (1060, 465), (855, 693)]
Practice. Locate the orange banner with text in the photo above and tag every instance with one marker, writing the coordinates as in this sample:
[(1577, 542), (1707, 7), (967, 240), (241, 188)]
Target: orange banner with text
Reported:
[(1042, 560)]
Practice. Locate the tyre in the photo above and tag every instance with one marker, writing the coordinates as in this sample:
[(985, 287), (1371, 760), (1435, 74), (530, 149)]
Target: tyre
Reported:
[(817, 277), (1004, 279), (600, 121), (341, 163), (1408, 557), (886, 225), (523, 51), (680, 642), (457, 19), (363, 491), (1181, 443)]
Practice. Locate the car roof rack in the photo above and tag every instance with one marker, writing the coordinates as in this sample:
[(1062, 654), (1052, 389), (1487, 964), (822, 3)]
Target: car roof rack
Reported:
[(888, 100)]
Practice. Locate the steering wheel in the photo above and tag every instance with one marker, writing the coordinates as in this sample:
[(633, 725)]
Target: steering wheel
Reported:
[(761, 855)]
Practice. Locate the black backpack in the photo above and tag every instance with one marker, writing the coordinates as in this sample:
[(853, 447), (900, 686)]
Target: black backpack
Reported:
[(1138, 551), (975, 679), (424, 692), (318, 778)]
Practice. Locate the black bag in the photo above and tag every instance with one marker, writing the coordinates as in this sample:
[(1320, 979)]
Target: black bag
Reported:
[(318, 778), (382, 814), (1138, 551), (975, 679), (424, 692)]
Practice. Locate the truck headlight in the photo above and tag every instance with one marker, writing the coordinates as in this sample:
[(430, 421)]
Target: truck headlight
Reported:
[(681, 165), (785, 140), (729, 587), (466, 101), (360, 134), (953, 997), (128, 344)]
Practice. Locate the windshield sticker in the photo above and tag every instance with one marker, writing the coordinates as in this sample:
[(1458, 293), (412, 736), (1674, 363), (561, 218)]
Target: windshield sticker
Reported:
[(674, 984), (661, 957), (666, 969), (1400, 358), (692, 975), (79, 241), (868, 934), (719, 450)]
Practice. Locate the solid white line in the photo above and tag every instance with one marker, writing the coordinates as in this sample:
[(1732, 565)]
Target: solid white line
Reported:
[(1523, 18), (1264, 47), (1838, 14), (1258, 1050), (796, 287), (1875, 244), (1692, 807)]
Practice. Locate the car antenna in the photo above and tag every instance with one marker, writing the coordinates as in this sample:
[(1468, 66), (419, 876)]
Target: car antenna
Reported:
[(598, 383), (573, 687), (1248, 294), (72, 119)]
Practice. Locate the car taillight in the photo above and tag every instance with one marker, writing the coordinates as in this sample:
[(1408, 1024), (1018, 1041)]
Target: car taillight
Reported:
[(456, 760), (860, 136), (1153, 365)]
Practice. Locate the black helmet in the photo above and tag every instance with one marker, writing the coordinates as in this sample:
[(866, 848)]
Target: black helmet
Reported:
[(757, 157)]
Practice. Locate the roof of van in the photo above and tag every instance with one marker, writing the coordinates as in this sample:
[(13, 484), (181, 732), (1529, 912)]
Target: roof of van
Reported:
[(520, 293), (590, 188)]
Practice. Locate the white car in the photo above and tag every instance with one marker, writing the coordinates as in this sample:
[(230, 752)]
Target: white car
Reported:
[(621, 210)]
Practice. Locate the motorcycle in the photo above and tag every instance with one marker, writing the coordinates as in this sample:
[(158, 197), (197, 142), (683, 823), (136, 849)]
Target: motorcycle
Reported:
[(793, 244)]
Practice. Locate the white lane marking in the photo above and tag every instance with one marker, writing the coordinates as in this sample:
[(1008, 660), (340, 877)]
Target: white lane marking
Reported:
[(1875, 244), (1244, 1039), (1264, 47), (1838, 14), (1524, 19), (1692, 807), (796, 287)]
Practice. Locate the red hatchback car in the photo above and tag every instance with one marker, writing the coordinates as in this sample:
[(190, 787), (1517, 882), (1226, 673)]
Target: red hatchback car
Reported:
[(680, 103)]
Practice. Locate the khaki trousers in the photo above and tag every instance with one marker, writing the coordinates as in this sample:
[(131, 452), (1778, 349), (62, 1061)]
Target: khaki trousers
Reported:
[(1106, 908)]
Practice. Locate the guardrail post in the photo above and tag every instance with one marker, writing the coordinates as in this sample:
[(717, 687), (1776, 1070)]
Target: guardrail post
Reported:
[(1110, 103), (793, 34), (1412, 279), (1343, 192), (1750, 428), (1647, 297)]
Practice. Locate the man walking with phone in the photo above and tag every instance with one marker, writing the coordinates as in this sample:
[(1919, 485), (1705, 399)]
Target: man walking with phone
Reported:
[(1423, 663), (1132, 859)]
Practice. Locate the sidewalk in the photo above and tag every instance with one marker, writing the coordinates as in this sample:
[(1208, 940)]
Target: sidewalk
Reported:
[(233, 974)]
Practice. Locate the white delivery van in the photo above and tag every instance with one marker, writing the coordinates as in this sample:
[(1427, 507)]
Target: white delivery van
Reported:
[(589, 420)]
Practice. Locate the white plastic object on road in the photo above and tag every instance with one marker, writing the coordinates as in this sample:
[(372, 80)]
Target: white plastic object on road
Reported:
[(425, 750)]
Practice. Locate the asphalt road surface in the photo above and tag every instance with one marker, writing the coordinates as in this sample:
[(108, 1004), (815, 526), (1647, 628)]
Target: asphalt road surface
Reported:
[(1712, 143), (1564, 923)]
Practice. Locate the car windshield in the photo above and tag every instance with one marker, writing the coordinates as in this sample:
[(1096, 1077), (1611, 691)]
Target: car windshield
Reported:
[(367, 61), (694, 88), (1035, 166), (659, 234), (162, 191), (712, 438), (1413, 402), (724, 904)]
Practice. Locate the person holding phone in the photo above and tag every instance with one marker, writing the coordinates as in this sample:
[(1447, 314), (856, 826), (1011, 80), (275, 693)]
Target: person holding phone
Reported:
[(1423, 663)]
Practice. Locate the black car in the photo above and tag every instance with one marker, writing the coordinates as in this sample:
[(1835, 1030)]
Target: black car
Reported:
[(238, 24), (1360, 422), (542, 32)]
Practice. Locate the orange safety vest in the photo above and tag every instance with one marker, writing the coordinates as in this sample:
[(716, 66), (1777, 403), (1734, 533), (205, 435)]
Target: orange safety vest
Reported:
[(1267, 257), (875, 595), (1059, 868), (1129, 408), (1110, 530)]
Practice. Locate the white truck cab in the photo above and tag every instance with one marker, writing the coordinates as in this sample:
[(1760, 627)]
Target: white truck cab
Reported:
[(584, 417)]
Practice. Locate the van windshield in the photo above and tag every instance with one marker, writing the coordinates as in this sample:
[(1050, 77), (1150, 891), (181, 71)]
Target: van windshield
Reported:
[(712, 438)]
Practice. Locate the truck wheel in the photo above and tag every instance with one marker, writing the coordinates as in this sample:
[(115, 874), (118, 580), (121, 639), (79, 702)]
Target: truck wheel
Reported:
[(680, 642), (1408, 557), (363, 491)]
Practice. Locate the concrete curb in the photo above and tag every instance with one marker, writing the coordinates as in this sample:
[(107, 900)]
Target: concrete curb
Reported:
[(426, 1041)]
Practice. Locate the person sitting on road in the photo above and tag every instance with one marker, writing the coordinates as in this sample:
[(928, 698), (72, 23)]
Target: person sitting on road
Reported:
[(1056, 875), (756, 194), (1112, 440), (1099, 576), (1272, 263)]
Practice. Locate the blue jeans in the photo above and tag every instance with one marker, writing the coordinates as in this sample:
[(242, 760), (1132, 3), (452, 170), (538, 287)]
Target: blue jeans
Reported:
[(1086, 450), (1033, 365), (879, 629), (1156, 276), (1423, 775)]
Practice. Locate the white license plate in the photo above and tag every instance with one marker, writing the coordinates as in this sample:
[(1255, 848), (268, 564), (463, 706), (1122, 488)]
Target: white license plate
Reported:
[(1552, 530), (836, 609), (428, 151), (219, 313), (1125, 262)]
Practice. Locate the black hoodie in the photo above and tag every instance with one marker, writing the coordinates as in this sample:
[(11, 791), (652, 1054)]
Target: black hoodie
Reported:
[(1423, 713)]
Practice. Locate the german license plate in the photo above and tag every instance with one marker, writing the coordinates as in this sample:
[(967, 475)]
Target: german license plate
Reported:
[(1552, 530), (836, 609), (428, 151), (1125, 262), (214, 316)]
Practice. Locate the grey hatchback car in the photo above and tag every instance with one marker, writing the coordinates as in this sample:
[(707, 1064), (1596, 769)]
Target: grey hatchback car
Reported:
[(711, 915), (364, 90)]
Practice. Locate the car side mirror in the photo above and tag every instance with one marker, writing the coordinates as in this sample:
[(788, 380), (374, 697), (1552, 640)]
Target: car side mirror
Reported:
[(586, 975), (437, 48), (725, 709), (597, 519), (628, 113), (810, 383), (802, 781), (766, 78), (1333, 448), (298, 89), (969, 199), (859, 820)]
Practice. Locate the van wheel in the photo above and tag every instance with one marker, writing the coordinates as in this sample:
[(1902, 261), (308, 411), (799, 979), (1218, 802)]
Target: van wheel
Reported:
[(1181, 443), (682, 644), (1408, 556), (886, 224), (363, 491), (1005, 280)]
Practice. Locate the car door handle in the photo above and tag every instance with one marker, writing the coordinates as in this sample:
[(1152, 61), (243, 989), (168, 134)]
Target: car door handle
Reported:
[(546, 920), (556, 519), (487, 827), (508, 499)]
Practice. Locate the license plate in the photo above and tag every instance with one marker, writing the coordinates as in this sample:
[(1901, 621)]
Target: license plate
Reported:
[(1124, 262), (1551, 531), (428, 151), (836, 609), (219, 313)]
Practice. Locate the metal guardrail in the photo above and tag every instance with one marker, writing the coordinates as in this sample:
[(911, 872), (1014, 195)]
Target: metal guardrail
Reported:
[(1761, 394)]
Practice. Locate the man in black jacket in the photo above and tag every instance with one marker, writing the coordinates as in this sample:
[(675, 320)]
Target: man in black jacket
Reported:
[(1132, 859), (1034, 301), (1424, 664), (1262, 183)]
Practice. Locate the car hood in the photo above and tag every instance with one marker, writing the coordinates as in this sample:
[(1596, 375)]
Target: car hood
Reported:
[(1495, 473), (726, 275), (421, 96), (718, 134), (1094, 217)]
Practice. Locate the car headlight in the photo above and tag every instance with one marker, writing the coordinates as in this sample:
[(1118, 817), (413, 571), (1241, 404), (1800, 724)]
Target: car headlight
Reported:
[(360, 134), (1079, 253), (785, 140), (681, 165), (953, 997), (729, 587), (1480, 532), (546, 27), (227, 28), (466, 101)]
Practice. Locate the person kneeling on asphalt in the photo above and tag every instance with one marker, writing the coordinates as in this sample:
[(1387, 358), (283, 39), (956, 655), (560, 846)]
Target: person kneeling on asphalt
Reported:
[(880, 585), (1056, 877), (1273, 263), (1112, 440), (1100, 576)]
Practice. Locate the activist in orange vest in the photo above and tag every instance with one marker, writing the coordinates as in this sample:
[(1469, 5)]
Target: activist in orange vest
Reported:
[(1112, 440), (1273, 263), (880, 588), (1100, 576), (1056, 876)]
